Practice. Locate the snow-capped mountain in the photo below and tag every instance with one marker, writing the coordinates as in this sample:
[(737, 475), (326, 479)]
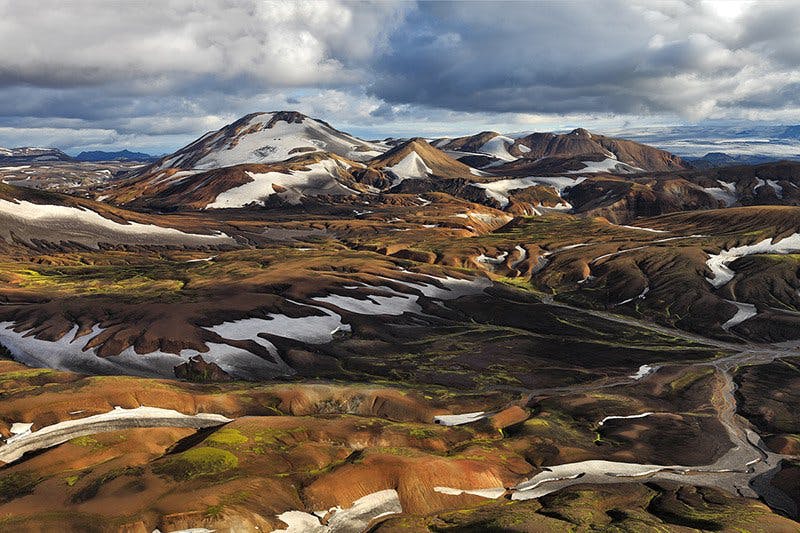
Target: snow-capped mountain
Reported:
[(597, 153), (267, 138), (417, 159), (27, 154)]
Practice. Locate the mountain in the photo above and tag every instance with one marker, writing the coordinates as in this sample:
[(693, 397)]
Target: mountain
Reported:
[(288, 182), (56, 222), (266, 138), (580, 143), (579, 151), (416, 159), (122, 155), (721, 159), (11, 156), (487, 143), (791, 132), (315, 174)]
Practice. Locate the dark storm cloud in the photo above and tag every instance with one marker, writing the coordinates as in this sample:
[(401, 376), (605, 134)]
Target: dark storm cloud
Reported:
[(566, 57), (140, 71)]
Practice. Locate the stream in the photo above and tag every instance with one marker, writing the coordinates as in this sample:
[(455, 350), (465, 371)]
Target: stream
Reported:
[(745, 469)]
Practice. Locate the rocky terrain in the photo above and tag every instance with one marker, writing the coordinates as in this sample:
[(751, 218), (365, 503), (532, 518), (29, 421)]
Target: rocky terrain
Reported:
[(545, 332)]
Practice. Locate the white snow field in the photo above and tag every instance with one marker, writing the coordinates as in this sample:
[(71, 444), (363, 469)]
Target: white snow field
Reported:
[(726, 193), (69, 354), (498, 147), (411, 167), (500, 189), (457, 420), (258, 144), (396, 304), (718, 263), (743, 312), (357, 517), (310, 329), (606, 165), (27, 220), (644, 371), (319, 179), (115, 420)]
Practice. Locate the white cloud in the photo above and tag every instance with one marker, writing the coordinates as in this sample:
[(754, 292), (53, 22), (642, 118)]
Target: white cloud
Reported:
[(160, 73)]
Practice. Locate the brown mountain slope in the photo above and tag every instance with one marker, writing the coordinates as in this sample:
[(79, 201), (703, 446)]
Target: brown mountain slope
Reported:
[(580, 142), (51, 221), (168, 190), (469, 143), (418, 150)]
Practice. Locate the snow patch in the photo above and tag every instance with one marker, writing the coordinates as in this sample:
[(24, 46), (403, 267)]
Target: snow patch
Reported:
[(642, 415), (743, 312), (78, 219), (491, 493), (726, 193), (116, 419), (606, 165), (644, 371), (500, 190), (395, 304), (718, 263), (319, 179), (498, 147), (457, 420), (412, 166)]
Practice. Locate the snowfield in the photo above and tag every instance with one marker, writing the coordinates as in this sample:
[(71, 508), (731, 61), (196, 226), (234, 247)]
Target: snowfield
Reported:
[(498, 147), (115, 420), (718, 263), (89, 227), (373, 304), (69, 354), (311, 329), (319, 179), (411, 167), (606, 165), (357, 517), (644, 371), (743, 312), (725, 193), (457, 420), (501, 189), (258, 144)]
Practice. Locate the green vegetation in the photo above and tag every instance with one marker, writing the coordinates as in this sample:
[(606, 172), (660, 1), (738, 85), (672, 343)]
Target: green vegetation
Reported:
[(227, 437), (197, 462), (87, 442), (17, 484), (689, 378)]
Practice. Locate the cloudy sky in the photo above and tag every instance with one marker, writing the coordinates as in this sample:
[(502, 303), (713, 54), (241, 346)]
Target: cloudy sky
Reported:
[(155, 75)]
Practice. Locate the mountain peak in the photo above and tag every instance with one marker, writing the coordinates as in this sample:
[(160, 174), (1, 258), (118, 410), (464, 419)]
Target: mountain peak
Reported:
[(435, 160), (266, 137), (581, 132)]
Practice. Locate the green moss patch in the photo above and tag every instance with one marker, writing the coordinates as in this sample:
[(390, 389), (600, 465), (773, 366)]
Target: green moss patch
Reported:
[(227, 437), (197, 462)]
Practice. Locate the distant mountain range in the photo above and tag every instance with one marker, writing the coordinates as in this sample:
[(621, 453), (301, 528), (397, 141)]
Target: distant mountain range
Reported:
[(27, 154), (122, 155)]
